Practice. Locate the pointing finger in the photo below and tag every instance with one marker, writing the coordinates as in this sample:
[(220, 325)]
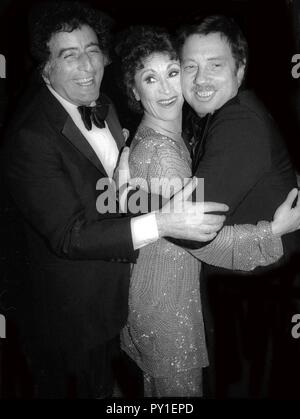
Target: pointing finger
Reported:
[(124, 158)]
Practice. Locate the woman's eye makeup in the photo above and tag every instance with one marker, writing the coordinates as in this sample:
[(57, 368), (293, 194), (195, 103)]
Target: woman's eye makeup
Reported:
[(174, 72), (149, 79)]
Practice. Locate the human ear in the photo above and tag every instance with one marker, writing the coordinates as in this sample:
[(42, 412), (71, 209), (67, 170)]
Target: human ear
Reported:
[(45, 73), (136, 94), (106, 60), (241, 74)]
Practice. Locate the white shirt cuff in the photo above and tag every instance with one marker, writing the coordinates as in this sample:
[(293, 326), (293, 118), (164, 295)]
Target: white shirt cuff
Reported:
[(144, 230)]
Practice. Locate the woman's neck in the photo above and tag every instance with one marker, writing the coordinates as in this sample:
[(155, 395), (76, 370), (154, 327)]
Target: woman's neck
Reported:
[(171, 129)]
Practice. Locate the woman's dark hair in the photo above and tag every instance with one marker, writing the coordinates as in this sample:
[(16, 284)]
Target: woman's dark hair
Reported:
[(226, 27), (136, 44), (66, 16)]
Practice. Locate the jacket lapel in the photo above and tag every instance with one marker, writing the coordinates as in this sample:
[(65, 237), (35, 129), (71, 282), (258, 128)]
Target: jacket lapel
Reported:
[(73, 134), (200, 142), (115, 127), (64, 122)]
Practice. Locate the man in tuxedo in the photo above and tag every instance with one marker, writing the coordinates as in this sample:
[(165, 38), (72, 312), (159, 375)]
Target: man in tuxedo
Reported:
[(59, 145), (241, 156)]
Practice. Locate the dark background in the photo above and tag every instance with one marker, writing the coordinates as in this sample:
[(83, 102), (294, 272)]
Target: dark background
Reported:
[(270, 27), (273, 32)]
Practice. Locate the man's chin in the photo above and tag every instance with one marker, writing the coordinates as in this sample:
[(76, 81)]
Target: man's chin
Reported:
[(87, 96), (204, 110), (88, 100)]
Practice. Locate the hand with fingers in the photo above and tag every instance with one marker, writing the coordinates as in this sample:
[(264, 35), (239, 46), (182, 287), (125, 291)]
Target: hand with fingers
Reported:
[(189, 220), (287, 218)]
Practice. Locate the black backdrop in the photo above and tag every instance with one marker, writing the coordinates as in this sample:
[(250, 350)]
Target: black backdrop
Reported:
[(271, 28), (273, 31)]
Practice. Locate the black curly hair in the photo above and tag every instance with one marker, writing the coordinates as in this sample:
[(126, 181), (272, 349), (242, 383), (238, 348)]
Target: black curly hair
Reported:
[(226, 27), (136, 44), (66, 16)]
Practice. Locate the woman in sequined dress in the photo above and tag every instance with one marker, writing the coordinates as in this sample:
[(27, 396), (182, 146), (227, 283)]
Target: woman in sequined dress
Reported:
[(164, 334)]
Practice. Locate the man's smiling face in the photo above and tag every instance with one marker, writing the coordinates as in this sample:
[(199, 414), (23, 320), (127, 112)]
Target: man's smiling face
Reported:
[(76, 65), (209, 74)]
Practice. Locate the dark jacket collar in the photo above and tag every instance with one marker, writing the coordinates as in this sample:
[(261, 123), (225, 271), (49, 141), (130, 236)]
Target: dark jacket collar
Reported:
[(64, 123), (200, 126)]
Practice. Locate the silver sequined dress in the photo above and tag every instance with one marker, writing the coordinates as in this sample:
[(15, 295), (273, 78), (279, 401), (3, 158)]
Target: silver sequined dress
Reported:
[(164, 334)]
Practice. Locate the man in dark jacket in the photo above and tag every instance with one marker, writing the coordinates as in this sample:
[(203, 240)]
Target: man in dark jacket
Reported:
[(238, 151)]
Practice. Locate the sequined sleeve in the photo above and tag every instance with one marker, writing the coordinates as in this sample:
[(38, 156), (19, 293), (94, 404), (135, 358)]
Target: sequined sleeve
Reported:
[(239, 247), (242, 247)]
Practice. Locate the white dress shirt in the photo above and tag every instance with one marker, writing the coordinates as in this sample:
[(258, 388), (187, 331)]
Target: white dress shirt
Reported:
[(100, 139), (143, 228)]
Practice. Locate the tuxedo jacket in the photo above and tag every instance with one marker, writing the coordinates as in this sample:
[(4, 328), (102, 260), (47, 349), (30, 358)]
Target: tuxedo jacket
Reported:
[(79, 259), (244, 162)]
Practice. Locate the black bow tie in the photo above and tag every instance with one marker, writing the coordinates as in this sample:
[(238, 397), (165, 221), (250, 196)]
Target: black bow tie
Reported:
[(95, 114)]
